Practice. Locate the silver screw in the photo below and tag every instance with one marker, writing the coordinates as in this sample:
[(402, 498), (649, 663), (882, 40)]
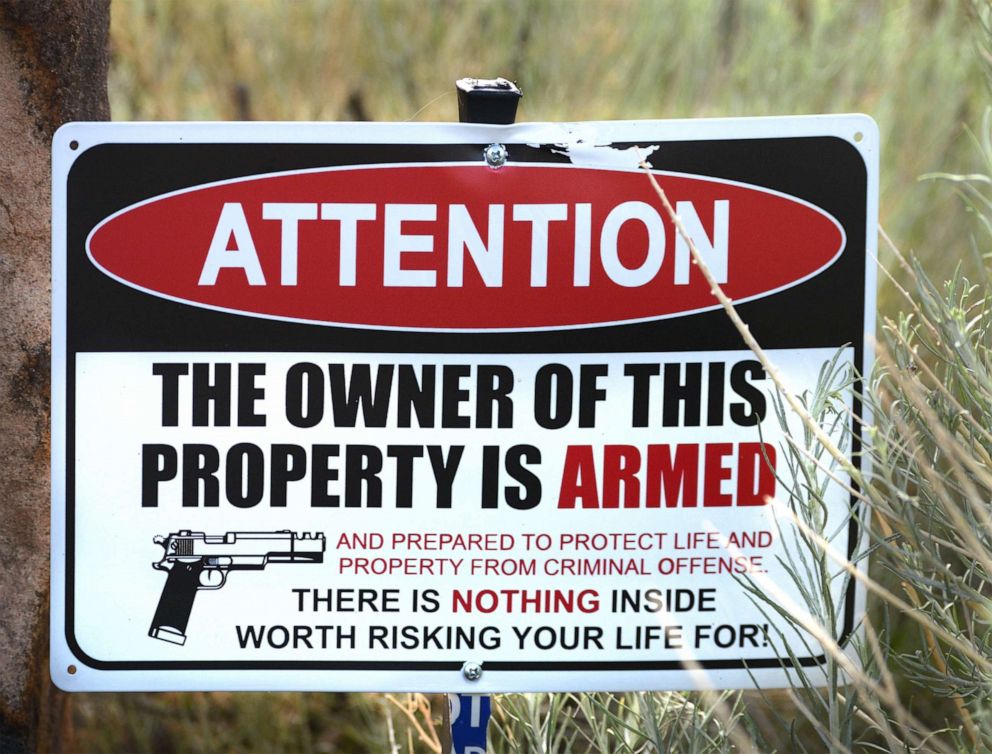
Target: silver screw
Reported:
[(495, 155), (472, 671)]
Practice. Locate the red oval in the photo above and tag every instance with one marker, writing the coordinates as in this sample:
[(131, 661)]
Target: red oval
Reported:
[(160, 246)]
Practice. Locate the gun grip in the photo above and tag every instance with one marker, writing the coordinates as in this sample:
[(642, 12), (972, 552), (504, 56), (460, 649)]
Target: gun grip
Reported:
[(176, 602)]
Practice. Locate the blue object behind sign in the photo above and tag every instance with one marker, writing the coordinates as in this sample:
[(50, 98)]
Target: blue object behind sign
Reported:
[(469, 722)]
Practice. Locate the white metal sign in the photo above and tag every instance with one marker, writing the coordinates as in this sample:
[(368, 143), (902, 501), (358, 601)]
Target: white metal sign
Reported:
[(342, 407)]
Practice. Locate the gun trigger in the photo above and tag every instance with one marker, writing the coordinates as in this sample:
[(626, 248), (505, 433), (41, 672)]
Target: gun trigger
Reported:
[(211, 579)]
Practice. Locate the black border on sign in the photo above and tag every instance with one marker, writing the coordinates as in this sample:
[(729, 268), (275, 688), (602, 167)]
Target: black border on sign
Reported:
[(466, 153)]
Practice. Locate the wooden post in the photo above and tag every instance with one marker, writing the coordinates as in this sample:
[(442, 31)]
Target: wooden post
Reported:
[(445, 724), (53, 69)]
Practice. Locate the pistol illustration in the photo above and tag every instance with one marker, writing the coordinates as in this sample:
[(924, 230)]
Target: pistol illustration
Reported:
[(195, 561)]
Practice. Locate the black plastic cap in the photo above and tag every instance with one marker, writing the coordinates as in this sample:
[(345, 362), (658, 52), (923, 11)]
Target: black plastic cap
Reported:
[(487, 101)]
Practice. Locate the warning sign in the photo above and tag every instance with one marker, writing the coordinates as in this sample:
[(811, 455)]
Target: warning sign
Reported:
[(342, 407)]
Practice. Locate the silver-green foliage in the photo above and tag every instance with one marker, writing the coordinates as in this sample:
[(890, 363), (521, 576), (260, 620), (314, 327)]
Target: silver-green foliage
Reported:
[(632, 723)]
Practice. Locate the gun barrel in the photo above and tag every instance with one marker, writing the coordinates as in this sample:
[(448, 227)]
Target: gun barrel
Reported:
[(249, 547)]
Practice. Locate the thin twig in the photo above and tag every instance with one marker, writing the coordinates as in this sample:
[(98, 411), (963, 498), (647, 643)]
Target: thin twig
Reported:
[(745, 331), (794, 404)]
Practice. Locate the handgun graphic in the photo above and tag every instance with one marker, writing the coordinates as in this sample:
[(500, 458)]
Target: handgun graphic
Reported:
[(195, 561)]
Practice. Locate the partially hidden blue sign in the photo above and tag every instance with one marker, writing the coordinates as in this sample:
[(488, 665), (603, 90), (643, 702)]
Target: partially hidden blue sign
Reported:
[(469, 722)]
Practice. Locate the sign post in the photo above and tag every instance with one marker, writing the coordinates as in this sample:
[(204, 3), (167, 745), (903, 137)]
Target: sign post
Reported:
[(353, 407), (479, 101)]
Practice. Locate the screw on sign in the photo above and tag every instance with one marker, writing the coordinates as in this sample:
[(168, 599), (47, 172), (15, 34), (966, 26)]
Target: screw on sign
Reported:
[(495, 155)]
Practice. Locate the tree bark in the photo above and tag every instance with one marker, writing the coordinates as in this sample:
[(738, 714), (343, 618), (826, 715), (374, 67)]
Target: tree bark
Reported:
[(53, 69)]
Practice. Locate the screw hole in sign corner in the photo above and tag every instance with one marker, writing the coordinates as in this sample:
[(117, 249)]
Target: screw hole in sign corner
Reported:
[(73, 145), (71, 669), (858, 137)]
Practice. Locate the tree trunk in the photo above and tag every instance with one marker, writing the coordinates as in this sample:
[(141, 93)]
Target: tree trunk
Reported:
[(53, 69)]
